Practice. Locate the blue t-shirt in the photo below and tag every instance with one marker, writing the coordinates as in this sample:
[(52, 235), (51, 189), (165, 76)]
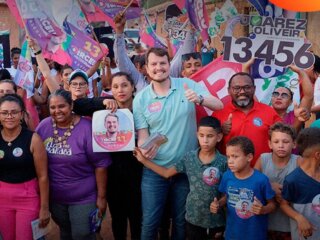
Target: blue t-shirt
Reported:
[(304, 193), (241, 223)]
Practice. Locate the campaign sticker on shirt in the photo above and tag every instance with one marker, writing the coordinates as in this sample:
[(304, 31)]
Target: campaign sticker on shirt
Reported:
[(316, 204), (243, 209), (155, 107), (211, 176), (1, 154), (17, 152), (257, 122)]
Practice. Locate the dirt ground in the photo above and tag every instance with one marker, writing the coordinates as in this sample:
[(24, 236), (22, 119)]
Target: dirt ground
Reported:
[(105, 233)]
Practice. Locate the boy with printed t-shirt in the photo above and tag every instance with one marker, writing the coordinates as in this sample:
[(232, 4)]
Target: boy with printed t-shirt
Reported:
[(204, 168), (277, 165), (301, 189), (247, 193)]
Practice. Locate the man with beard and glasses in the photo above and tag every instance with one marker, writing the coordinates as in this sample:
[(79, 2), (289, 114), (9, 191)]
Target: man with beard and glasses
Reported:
[(245, 116)]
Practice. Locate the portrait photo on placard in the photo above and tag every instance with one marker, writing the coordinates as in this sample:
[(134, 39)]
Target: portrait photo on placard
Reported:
[(113, 131)]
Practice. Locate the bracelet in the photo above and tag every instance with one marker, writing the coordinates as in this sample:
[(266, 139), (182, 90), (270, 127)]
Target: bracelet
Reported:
[(38, 52)]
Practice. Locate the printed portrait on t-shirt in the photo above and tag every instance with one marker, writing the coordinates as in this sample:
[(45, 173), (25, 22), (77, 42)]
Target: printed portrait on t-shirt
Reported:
[(241, 199), (316, 204), (211, 176), (113, 131), (243, 209)]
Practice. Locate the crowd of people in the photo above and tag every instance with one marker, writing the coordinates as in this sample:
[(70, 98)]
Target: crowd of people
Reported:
[(249, 171)]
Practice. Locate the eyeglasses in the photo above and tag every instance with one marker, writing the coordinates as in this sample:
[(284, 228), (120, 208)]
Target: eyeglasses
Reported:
[(246, 88), (282, 95), (5, 114), (2, 92), (75, 84)]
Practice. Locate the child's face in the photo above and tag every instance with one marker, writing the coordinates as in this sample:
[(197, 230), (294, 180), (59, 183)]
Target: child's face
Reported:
[(237, 160), (208, 138), (281, 144)]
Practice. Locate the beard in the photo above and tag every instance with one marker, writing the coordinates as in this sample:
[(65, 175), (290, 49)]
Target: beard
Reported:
[(243, 103)]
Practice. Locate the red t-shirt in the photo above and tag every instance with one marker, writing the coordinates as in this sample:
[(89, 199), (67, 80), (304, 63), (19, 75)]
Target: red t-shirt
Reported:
[(254, 125)]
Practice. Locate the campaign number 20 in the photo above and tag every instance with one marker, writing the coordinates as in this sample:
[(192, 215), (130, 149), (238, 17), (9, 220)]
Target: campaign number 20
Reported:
[(303, 58)]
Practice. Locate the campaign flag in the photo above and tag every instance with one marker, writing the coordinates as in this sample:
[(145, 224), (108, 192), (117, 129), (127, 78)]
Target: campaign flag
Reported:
[(24, 77), (147, 33), (112, 8), (57, 27), (197, 13), (15, 12), (215, 78), (176, 26), (84, 51)]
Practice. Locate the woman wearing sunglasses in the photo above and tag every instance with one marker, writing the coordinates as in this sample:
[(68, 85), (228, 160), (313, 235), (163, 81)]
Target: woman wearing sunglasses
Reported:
[(282, 98)]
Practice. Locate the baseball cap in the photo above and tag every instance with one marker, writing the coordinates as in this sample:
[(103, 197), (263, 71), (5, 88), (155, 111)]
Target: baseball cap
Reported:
[(78, 73)]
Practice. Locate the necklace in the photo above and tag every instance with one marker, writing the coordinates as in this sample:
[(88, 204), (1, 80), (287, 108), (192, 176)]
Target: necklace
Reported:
[(9, 142), (62, 139)]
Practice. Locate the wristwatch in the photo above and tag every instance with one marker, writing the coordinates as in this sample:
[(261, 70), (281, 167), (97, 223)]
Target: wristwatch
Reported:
[(201, 99)]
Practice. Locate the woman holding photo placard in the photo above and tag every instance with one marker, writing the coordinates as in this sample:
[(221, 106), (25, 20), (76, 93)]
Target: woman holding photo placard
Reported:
[(124, 174)]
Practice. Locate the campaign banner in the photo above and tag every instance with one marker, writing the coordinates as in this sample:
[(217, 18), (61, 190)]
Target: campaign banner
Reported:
[(175, 24), (278, 41), (215, 78), (113, 132), (266, 86), (198, 15), (221, 15)]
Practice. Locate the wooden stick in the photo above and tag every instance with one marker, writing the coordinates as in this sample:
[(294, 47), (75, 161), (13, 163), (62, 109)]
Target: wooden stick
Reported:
[(124, 10)]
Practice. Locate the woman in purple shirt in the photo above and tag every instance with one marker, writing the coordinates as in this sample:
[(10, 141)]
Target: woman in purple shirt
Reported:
[(78, 176)]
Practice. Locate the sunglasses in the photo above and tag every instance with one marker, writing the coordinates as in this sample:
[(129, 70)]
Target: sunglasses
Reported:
[(282, 95)]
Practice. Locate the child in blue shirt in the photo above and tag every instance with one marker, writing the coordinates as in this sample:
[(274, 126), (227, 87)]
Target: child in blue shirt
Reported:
[(204, 168), (247, 194), (301, 189)]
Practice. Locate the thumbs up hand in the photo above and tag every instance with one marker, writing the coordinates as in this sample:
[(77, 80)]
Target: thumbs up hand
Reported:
[(257, 206), (214, 206), (227, 125), (190, 94)]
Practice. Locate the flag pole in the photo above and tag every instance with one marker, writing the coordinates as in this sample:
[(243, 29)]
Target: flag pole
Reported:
[(125, 9)]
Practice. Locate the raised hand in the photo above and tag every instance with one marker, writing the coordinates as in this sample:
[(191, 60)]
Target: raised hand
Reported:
[(120, 22)]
